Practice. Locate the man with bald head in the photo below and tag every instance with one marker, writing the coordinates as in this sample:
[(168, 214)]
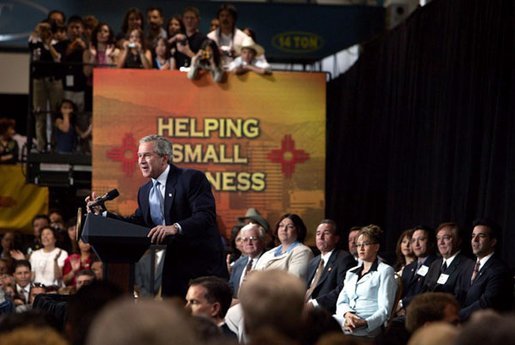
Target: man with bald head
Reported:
[(253, 239)]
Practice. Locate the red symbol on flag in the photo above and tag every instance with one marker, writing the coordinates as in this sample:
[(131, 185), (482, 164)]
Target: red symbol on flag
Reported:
[(127, 154), (288, 156)]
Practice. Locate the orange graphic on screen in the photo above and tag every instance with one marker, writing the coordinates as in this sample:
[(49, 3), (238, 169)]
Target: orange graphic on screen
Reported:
[(127, 154), (288, 156)]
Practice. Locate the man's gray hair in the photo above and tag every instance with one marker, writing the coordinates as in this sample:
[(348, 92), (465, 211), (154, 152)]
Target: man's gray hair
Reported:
[(252, 226), (161, 145)]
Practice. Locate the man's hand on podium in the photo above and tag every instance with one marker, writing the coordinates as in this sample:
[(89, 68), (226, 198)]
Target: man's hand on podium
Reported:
[(158, 233)]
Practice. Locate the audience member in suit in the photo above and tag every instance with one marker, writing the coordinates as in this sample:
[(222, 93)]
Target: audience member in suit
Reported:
[(185, 220), (444, 272), (368, 295), (489, 283), (353, 236), (253, 239), (22, 277), (414, 274), (336, 263), (210, 297)]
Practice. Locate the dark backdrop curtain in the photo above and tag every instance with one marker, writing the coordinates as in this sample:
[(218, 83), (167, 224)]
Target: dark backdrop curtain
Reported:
[(421, 128)]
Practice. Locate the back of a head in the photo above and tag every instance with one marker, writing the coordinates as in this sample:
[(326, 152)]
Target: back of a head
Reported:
[(272, 299), (32, 336), (487, 327), (439, 333), (146, 322), (428, 307)]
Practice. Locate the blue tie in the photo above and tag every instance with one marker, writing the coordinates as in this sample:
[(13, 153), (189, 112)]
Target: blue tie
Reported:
[(155, 199)]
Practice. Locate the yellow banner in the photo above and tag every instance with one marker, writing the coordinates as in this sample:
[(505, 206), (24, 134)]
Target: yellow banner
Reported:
[(19, 201), (259, 139)]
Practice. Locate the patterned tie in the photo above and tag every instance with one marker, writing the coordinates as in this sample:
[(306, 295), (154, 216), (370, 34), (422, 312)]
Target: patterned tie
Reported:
[(155, 199), (315, 280), (475, 271), (248, 268)]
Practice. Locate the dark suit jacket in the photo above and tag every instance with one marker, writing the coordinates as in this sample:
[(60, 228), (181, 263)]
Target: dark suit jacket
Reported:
[(412, 283), (331, 282), (197, 251), (492, 288), (237, 270), (457, 268)]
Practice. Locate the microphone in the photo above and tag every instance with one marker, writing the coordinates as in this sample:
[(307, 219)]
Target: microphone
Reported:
[(112, 194)]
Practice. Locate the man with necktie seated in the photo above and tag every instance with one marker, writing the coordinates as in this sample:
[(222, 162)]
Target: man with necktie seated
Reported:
[(22, 278), (488, 283), (326, 272), (179, 207), (253, 238), (414, 274), (444, 272)]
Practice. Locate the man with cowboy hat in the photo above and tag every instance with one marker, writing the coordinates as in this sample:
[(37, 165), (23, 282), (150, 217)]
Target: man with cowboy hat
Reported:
[(251, 58)]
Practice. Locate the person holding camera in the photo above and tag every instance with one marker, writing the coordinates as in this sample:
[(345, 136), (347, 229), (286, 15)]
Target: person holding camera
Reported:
[(228, 37), (207, 60), (188, 43), (135, 53)]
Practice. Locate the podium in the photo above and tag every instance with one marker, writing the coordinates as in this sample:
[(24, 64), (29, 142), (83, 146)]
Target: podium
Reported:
[(119, 245)]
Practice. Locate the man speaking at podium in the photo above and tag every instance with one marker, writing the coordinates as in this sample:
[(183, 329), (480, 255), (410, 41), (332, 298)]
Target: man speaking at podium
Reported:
[(179, 207)]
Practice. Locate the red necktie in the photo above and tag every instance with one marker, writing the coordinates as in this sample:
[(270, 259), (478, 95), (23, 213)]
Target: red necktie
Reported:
[(475, 271)]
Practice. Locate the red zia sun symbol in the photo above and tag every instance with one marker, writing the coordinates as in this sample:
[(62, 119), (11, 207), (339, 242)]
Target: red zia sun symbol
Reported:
[(127, 154), (288, 156)]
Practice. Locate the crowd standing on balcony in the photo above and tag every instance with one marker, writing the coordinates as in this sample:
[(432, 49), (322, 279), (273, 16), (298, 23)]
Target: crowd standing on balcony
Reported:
[(65, 51)]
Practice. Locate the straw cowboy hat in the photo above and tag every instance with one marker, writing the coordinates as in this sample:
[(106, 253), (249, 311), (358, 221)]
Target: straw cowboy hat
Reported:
[(254, 215), (248, 42)]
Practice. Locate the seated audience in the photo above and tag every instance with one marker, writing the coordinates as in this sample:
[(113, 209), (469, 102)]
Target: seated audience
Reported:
[(207, 60), (22, 277), (32, 336), (326, 272), (47, 262), (445, 272), (367, 298), (487, 328), (272, 301), (146, 322), (431, 307), (414, 274), (489, 283), (291, 255), (210, 297), (253, 239), (8, 146), (435, 334), (75, 263), (404, 253)]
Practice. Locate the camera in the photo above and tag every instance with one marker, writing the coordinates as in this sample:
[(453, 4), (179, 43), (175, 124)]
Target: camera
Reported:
[(131, 45)]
